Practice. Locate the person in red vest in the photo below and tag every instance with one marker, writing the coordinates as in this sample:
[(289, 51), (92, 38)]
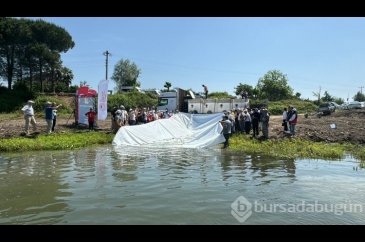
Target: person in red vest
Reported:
[(91, 118)]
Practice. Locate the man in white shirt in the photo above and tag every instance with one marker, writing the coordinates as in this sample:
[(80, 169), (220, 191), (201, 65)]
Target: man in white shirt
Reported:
[(29, 116)]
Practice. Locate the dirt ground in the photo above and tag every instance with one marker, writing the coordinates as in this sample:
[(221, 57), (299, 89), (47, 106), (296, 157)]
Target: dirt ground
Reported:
[(349, 127), (15, 127)]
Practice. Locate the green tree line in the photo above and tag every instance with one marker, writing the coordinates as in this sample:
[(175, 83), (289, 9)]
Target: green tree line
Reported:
[(30, 54)]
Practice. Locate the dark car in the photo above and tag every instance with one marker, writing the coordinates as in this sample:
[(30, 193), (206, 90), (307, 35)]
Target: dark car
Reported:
[(326, 108)]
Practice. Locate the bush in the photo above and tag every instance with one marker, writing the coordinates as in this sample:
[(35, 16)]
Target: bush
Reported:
[(276, 108), (41, 100), (132, 99)]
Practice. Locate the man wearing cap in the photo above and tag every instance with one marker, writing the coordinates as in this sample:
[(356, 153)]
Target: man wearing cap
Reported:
[(29, 116), (54, 106), (50, 115)]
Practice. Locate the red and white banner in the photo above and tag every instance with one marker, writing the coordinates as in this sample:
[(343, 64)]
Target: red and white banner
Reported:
[(103, 99)]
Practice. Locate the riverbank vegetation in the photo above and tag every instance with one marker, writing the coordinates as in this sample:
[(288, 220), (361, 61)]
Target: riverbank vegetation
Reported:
[(286, 148), (55, 141), (295, 148)]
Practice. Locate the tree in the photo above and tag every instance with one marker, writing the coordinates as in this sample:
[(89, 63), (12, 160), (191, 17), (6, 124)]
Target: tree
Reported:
[(298, 94), (64, 76), (339, 100), (318, 95), (28, 47), (125, 74), (167, 85), (13, 34), (244, 87), (327, 97), (50, 41), (274, 86), (359, 97)]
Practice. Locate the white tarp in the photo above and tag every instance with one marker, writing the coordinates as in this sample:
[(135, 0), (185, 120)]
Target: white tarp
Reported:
[(181, 130)]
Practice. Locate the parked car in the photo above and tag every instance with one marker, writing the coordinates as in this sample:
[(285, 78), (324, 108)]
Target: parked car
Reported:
[(326, 108), (354, 105), (335, 105)]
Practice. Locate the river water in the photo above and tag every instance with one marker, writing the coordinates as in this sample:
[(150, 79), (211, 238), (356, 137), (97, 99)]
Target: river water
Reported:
[(177, 186)]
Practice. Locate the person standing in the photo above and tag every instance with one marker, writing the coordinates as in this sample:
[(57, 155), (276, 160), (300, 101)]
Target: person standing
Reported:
[(205, 91), (29, 116), (50, 115), (91, 118), (247, 119), (113, 116), (264, 118), (132, 117), (285, 122), (227, 126), (292, 119), (255, 122), (54, 115)]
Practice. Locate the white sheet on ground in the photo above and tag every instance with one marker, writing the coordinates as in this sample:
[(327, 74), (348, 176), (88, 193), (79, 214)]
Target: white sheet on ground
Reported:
[(181, 130)]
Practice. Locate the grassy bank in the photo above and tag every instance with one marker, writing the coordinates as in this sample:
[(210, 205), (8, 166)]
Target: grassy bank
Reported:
[(296, 148), (55, 141), (286, 148)]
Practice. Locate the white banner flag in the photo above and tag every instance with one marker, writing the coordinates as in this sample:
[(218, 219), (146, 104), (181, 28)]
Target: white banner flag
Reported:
[(103, 99)]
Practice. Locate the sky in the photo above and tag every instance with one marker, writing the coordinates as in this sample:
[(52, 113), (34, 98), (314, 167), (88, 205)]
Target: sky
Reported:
[(221, 52)]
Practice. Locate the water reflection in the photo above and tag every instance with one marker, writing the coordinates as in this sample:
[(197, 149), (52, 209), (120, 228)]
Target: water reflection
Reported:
[(31, 184), (155, 185), (267, 169)]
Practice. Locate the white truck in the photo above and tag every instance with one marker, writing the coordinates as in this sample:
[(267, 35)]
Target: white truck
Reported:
[(201, 105), (176, 100), (185, 101)]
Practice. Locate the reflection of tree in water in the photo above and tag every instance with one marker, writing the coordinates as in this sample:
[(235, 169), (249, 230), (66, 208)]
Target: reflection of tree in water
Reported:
[(32, 188)]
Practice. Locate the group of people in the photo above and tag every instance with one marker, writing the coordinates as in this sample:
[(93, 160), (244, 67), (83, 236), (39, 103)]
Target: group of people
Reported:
[(290, 117), (239, 120), (243, 120), (120, 117), (50, 115)]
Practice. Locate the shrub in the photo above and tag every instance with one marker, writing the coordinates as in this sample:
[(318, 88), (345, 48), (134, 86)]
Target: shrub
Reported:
[(132, 99)]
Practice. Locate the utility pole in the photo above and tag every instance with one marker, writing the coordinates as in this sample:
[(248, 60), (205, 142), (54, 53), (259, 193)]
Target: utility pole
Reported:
[(361, 89), (106, 53)]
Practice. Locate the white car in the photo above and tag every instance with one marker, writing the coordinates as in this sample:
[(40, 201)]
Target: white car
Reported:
[(354, 105)]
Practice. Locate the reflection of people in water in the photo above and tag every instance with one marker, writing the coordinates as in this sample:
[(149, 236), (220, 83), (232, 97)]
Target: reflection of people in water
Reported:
[(265, 166), (232, 163), (290, 166)]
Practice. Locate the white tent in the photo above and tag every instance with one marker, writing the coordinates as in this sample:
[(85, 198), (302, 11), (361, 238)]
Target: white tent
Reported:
[(181, 130)]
